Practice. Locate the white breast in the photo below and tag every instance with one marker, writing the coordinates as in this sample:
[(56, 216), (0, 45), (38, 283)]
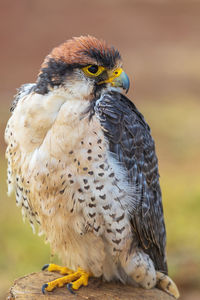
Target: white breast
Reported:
[(68, 181)]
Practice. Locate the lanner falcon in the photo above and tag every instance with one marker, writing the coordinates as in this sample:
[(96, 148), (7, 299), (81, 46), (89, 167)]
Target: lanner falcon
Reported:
[(82, 163)]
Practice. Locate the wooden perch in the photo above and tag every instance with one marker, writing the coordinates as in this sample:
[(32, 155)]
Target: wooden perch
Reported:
[(29, 287)]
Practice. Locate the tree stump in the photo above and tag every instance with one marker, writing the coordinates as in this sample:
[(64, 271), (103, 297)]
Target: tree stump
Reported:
[(29, 287)]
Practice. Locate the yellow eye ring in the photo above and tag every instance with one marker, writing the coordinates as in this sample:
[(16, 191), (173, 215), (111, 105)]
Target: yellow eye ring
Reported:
[(93, 70)]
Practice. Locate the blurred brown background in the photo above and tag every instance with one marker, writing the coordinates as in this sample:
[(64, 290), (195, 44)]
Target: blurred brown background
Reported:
[(160, 45)]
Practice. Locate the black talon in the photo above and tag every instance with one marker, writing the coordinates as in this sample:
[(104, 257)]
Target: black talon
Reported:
[(69, 287), (45, 267), (44, 287)]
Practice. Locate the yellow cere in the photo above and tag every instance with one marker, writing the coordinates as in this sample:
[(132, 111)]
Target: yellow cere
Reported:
[(112, 75)]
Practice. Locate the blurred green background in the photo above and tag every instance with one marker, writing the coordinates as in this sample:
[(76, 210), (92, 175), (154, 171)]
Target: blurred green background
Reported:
[(160, 45)]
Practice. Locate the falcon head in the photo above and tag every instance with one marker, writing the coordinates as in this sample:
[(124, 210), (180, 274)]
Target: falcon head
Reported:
[(83, 66)]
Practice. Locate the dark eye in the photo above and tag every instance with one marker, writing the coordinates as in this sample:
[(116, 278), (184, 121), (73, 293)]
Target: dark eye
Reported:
[(93, 69)]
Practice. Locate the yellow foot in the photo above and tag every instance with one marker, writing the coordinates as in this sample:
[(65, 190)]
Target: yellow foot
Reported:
[(74, 280), (166, 284)]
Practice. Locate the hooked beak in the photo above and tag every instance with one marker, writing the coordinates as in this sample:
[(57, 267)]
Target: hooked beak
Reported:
[(122, 81), (118, 78)]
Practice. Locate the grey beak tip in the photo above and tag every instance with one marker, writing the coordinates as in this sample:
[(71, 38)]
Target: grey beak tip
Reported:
[(127, 89), (126, 83)]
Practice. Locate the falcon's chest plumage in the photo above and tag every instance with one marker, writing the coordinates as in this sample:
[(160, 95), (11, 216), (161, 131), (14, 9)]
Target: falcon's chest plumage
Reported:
[(64, 175)]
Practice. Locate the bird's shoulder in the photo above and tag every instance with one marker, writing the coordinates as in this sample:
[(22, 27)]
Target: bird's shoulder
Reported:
[(24, 90), (126, 130), (117, 108)]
